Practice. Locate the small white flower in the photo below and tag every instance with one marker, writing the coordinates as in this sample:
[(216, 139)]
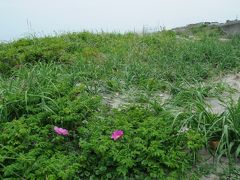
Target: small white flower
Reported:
[(183, 129)]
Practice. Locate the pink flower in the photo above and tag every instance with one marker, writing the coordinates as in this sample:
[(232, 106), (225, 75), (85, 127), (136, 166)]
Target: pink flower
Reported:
[(117, 134), (61, 131)]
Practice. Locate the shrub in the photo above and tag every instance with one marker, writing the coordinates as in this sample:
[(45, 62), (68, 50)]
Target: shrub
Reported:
[(148, 148), (29, 146)]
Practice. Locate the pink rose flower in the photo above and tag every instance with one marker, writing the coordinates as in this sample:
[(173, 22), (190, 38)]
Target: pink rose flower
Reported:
[(117, 134), (61, 131)]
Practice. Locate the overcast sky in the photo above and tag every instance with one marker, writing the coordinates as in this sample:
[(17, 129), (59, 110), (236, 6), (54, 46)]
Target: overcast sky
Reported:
[(19, 17)]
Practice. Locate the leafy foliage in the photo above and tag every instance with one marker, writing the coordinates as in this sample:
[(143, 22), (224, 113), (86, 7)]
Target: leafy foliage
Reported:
[(64, 81), (149, 147)]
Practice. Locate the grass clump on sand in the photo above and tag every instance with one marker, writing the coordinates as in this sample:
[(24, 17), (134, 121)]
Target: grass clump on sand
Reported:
[(62, 81)]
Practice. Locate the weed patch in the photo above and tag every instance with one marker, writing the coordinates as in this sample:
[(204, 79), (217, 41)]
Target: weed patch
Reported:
[(61, 99)]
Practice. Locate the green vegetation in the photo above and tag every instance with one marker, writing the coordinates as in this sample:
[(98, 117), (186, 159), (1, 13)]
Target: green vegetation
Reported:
[(64, 81)]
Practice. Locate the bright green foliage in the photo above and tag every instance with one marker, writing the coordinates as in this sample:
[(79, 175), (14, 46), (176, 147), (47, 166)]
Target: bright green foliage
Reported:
[(29, 146), (222, 128), (67, 80), (149, 146)]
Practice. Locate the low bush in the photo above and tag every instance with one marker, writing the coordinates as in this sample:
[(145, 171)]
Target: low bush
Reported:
[(149, 147), (71, 81)]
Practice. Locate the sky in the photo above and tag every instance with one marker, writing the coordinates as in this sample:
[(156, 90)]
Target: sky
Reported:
[(20, 18)]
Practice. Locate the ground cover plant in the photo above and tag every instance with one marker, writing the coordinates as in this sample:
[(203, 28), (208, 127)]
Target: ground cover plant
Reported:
[(58, 118)]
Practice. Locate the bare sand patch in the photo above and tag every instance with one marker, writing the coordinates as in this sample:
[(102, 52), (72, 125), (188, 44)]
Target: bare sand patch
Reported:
[(115, 100), (119, 100), (208, 160), (224, 39), (219, 105)]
